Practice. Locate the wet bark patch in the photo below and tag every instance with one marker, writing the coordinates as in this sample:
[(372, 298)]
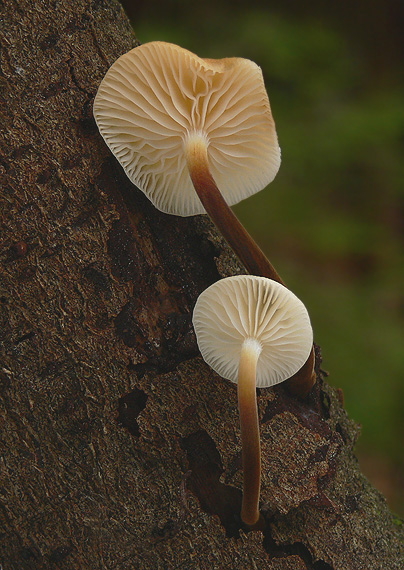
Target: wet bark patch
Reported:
[(206, 469), (129, 408)]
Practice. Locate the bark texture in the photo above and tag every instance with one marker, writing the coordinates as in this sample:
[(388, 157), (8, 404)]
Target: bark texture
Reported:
[(119, 448)]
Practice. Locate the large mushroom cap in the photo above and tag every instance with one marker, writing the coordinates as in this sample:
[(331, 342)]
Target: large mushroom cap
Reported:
[(158, 96), (256, 309)]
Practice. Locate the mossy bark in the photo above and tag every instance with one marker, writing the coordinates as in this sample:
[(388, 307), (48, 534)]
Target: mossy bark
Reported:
[(119, 448)]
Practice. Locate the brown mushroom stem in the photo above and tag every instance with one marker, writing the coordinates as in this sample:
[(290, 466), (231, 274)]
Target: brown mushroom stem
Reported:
[(250, 435), (221, 214), (239, 240), (303, 381)]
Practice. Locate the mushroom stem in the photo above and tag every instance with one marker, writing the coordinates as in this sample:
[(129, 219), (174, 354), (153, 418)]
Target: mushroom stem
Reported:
[(221, 214), (250, 436), (301, 383)]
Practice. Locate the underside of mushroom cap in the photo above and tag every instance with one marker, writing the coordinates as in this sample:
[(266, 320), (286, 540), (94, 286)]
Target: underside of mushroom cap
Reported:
[(248, 308), (158, 95)]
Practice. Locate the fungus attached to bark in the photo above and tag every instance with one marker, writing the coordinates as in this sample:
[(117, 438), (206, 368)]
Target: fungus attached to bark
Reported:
[(255, 332), (177, 122)]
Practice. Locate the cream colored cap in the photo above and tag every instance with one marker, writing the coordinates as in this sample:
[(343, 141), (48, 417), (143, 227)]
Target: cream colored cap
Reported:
[(248, 308), (157, 96)]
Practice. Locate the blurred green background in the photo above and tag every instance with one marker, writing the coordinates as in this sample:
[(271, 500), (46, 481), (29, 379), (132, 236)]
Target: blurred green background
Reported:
[(332, 222)]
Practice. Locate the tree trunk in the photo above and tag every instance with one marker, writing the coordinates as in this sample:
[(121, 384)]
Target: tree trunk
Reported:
[(120, 448)]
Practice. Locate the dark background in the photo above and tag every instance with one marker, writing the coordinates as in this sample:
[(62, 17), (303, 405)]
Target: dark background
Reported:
[(332, 222)]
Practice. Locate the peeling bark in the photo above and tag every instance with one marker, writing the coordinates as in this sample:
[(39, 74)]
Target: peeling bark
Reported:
[(120, 448)]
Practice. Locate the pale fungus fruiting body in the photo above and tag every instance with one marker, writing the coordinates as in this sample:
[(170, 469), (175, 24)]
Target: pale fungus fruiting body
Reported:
[(253, 331), (259, 313), (182, 127), (160, 105)]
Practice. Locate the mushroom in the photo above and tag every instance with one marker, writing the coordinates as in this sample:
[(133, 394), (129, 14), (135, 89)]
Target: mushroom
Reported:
[(256, 333), (176, 121)]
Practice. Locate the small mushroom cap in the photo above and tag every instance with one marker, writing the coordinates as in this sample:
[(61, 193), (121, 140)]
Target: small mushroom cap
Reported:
[(259, 311), (158, 96)]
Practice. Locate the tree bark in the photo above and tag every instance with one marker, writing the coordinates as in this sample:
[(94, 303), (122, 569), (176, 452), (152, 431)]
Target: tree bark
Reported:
[(120, 448)]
